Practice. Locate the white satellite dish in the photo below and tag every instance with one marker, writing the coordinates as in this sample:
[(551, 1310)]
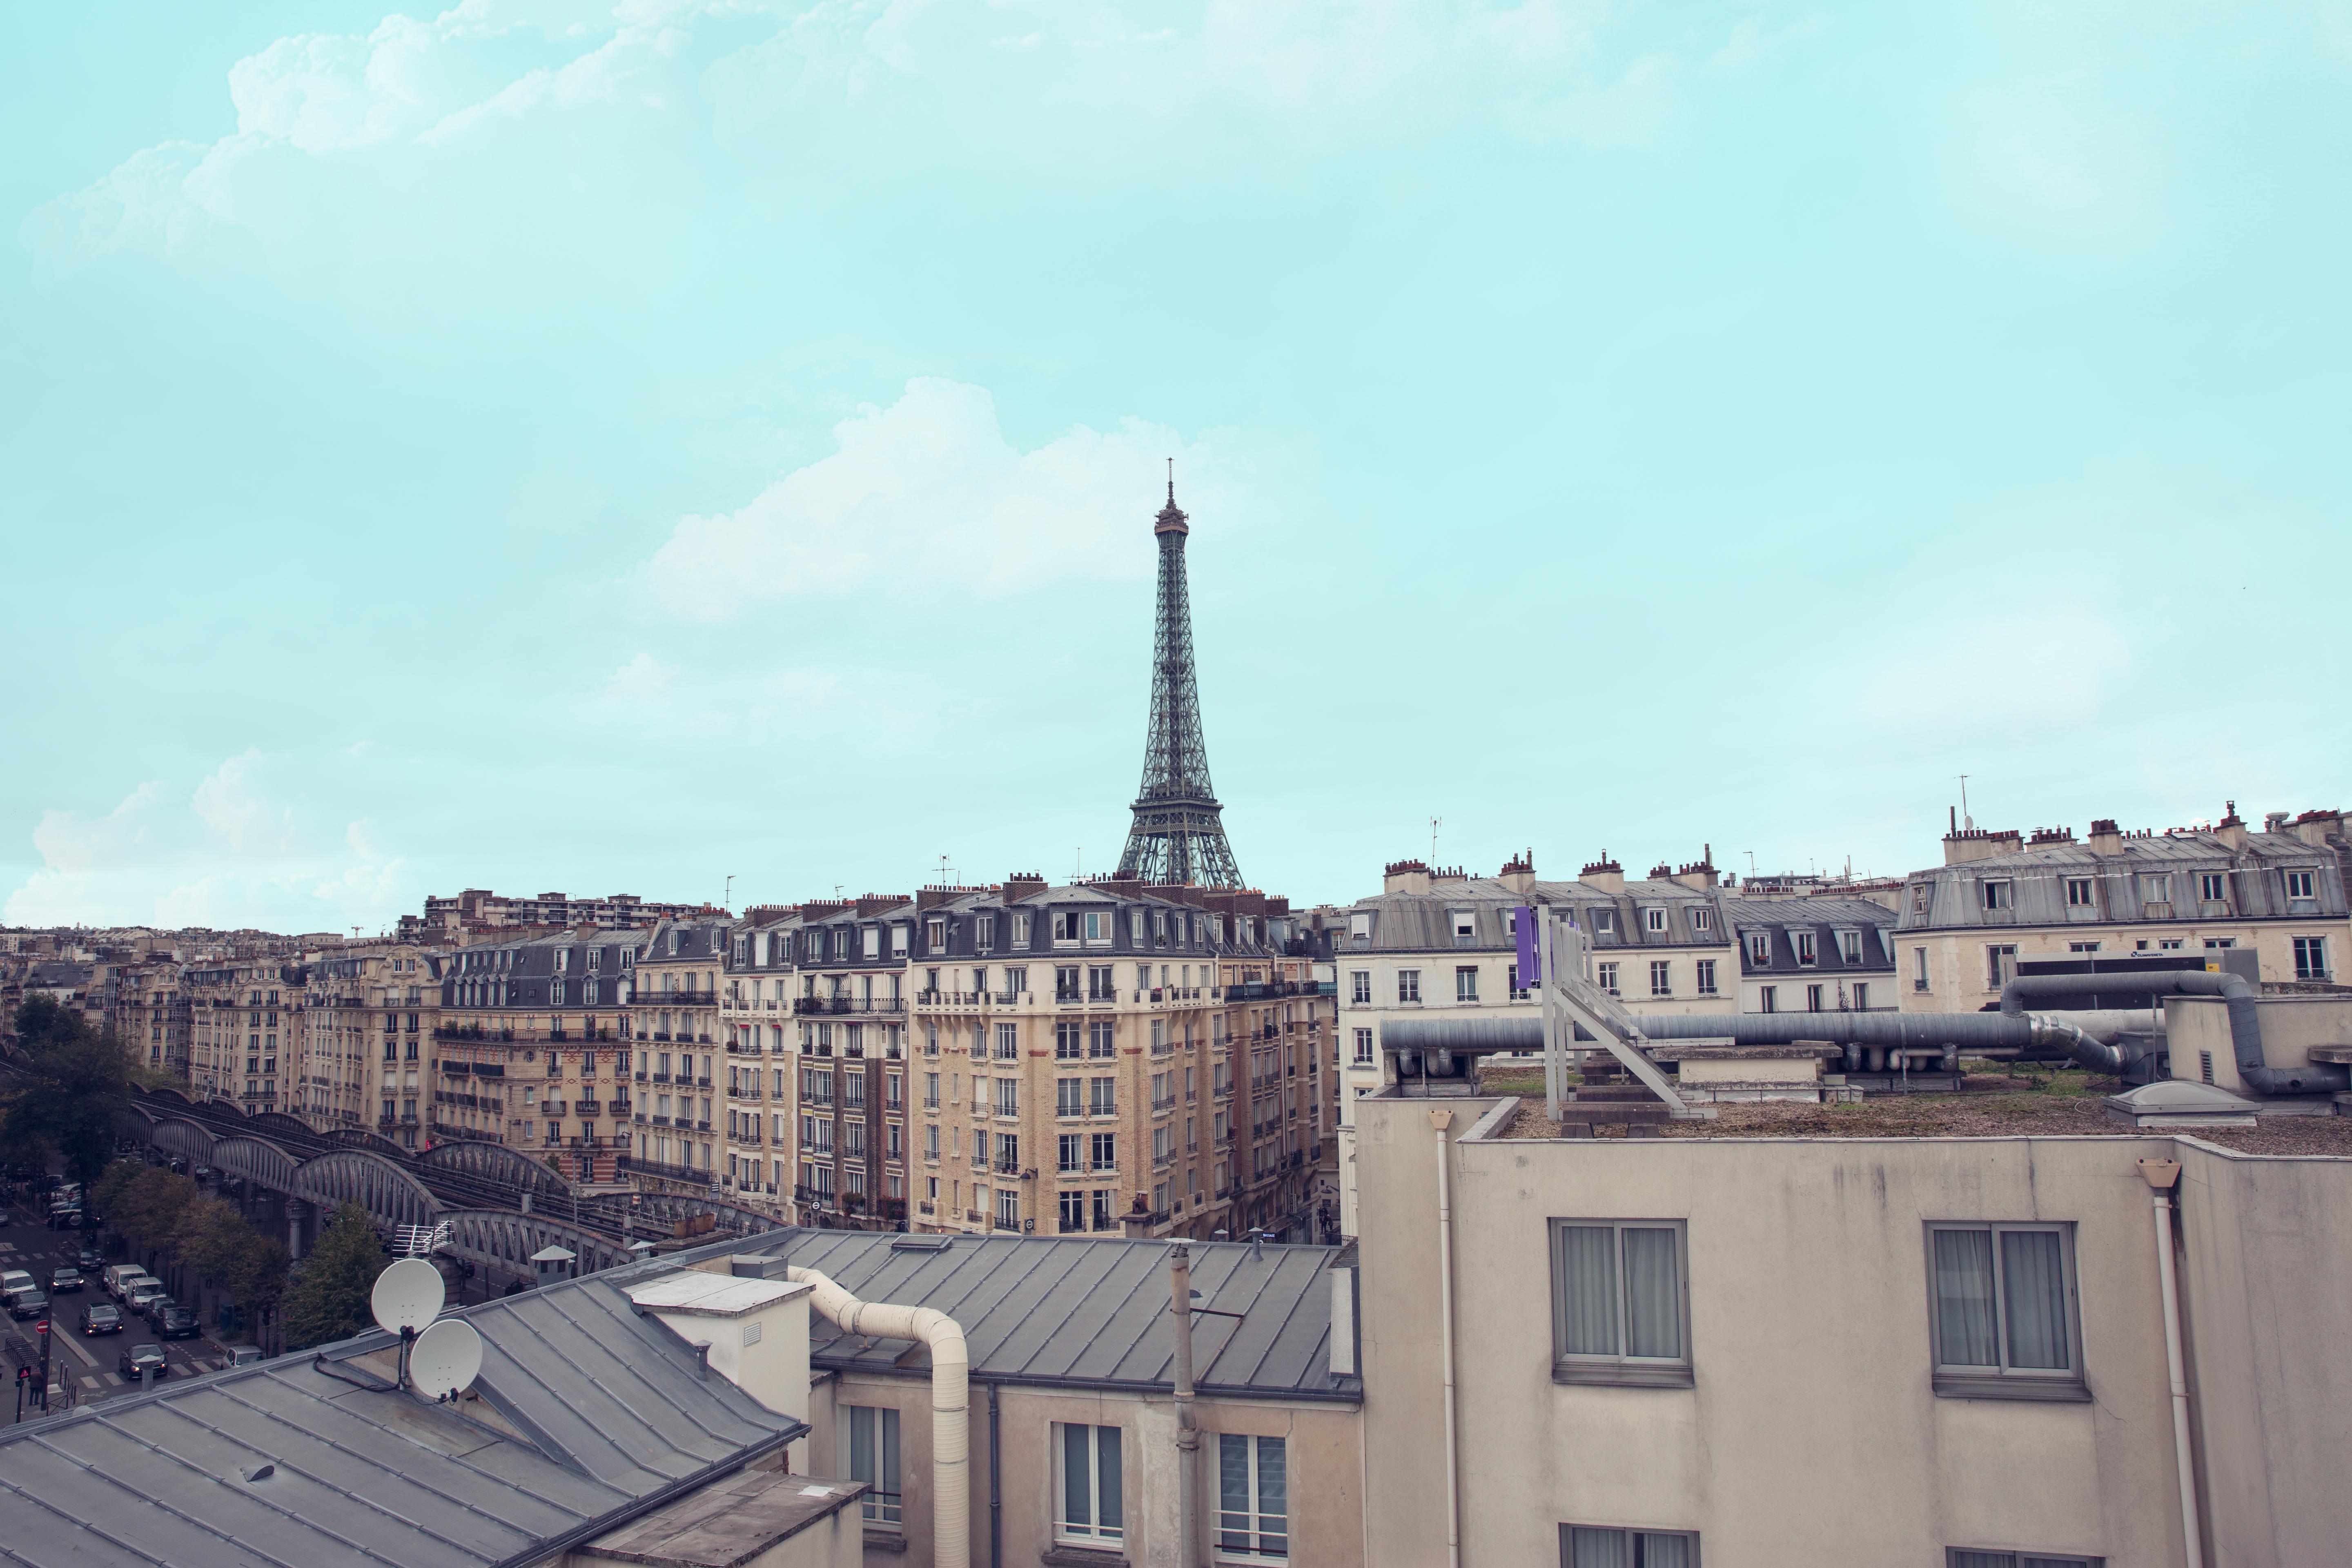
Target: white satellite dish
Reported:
[(446, 1358), (407, 1296)]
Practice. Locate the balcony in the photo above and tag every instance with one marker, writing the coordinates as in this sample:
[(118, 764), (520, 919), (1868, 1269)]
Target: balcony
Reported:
[(587, 1107)]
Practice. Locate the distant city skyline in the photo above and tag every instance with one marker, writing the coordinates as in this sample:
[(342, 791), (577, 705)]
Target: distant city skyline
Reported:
[(533, 448)]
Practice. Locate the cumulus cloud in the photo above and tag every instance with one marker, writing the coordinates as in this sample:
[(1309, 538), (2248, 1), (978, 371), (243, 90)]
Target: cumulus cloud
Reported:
[(240, 848), (929, 494)]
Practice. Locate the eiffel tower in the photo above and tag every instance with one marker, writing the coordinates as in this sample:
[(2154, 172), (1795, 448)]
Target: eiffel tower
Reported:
[(1179, 833)]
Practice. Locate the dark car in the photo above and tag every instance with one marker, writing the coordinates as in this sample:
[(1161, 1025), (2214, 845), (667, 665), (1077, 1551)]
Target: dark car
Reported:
[(90, 1261), (142, 1358), (65, 1280), (65, 1219), (101, 1318), (26, 1305), (172, 1321)]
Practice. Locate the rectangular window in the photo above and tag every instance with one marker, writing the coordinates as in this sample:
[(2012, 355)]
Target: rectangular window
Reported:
[(1605, 976), (1618, 1309), (1961, 1557), (1707, 977), (1091, 1508), (1101, 1040), (1919, 895), (2000, 966), (1850, 946), (1465, 924), (1862, 996), (1803, 942), (2299, 884), (1586, 1546), (1465, 984), (871, 1444), (1995, 894), (2311, 958), (1662, 977), (1008, 1042), (2214, 887), (1654, 921), (1008, 1097), (1072, 1211), (1070, 1153), (2002, 1301), (1363, 1048), (1605, 922), (1008, 1208), (2155, 888), (1360, 987), (1408, 984), (1253, 1497), (1102, 1097), (2079, 895), (1759, 949), (1067, 1037), (1069, 1097), (1812, 998), (1102, 1150), (1918, 969)]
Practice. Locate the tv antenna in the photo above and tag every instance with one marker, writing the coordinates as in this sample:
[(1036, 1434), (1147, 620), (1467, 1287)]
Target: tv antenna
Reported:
[(407, 1296), (726, 895), (1434, 824), (1965, 820)]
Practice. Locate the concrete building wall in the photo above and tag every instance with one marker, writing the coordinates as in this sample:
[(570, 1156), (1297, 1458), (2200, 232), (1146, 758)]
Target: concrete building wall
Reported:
[(1811, 1418)]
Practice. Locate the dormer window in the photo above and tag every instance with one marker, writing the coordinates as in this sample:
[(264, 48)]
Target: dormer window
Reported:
[(1465, 927), (1850, 946), (1702, 919), (1021, 927), (1135, 926), (1654, 921), (718, 940), (2301, 884), (1996, 894), (1605, 922), (1804, 940), (898, 942), (873, 942), (1919, 892), (1360, 927), (674, 937), (595, 959), (562, 959), (1759, 949), (742, 951), (935, 936)]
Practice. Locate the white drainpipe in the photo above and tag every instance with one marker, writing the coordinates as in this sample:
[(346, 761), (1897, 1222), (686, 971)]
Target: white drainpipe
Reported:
[(950, 1401), (2161, 1174), (1442, 1119)]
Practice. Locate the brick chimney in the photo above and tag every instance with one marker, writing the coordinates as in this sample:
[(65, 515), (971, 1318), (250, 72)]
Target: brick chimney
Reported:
[(2106, 838), (2232, 829), (1519, 873), (1965, 844), (2316, 828), (1022, 885), (1604, 874), (1700, 876), (1405, 876)]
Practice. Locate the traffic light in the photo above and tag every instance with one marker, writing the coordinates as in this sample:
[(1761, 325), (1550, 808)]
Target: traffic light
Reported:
[(23, 1374)]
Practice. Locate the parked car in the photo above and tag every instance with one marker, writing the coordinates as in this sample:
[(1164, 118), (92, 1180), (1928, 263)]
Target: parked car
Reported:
[(174, 1321), (27, 1304), (243, 1355), (90, 1261), (65, 1280), (101, 1318), (14, 1279), (145, 1295), (117, 1274), (138, 1359)]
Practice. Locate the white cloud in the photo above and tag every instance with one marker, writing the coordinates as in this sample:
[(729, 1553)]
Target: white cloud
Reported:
[(928, 495), (239, 849), (1048, 81)]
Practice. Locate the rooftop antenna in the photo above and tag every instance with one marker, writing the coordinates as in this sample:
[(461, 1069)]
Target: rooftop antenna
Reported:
[(1434, 824), (1751, 863), (727, 894), (1172, 481), (1965, 820), (944, 879)]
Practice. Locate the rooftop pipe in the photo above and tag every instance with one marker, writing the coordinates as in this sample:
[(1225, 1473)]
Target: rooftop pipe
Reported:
[(2245, 1019), (950, 1401)]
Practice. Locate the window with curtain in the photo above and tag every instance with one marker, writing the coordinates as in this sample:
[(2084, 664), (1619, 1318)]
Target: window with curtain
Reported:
[(2003, 1303), (1088, 1511), (1617, 1303), (1253, 1497), (1587, 1546), (1961, 1557), (871, 1434)]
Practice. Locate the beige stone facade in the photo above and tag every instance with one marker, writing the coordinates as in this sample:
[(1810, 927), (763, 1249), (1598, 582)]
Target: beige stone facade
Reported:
[(1792, 1407)]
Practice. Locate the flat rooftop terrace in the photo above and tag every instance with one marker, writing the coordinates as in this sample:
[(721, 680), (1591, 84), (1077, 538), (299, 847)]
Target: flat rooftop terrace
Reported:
[(2064, 1105)]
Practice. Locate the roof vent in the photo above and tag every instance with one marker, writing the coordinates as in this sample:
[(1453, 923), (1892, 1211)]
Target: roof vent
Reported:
[(922, 1243), (258, 1472)]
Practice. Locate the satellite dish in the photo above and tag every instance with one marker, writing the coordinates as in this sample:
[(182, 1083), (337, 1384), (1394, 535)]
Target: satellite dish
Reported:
[(445, 1360), (407, 1296)]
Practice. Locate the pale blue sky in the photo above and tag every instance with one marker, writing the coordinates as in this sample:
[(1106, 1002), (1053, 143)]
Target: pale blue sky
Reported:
[(546, 447)]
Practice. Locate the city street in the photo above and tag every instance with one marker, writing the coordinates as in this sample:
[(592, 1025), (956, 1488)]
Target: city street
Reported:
[(86, 1364)]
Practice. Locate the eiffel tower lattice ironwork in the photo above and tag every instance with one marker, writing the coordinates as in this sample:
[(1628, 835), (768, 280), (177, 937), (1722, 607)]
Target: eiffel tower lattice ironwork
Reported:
[(1178, 834)]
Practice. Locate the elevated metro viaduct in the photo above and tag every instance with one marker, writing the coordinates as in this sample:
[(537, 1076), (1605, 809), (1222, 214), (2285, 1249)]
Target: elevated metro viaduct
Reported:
[(501, 1206)]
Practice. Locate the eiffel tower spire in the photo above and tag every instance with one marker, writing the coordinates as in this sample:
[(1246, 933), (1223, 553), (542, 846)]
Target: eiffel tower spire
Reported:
[(1178, 834)]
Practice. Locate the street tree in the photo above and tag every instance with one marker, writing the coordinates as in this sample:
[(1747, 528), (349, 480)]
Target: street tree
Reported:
[(68, 1095), (328, 1298)]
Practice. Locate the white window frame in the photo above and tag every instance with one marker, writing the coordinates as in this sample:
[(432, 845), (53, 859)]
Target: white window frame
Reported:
[(1253, 1542), (1408, 986), (1998, 1379), (2080, 893), (885, 1503), (1635, 1550), (1976, 1556), (1996, 893), (1359, 988), (1707, 977), (1094, 1530), (1466, 982), (1653, 921), (2302, 885), (1620, 1368)]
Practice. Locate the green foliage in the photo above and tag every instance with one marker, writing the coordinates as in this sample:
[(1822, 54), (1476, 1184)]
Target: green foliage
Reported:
[(330, 1299), (69, 1097), (153, 1209)]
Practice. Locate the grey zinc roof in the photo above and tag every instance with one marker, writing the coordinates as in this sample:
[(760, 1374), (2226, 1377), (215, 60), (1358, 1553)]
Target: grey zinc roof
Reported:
[(2038, 876), (610, 1406), (1090, 1312)]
